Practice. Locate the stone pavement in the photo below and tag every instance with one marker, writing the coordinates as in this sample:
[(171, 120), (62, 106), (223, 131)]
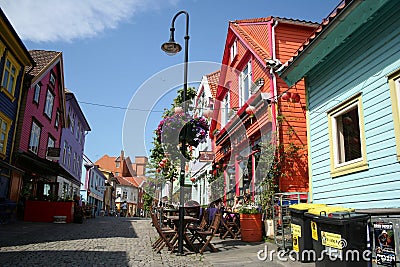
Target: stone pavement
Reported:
[(113, 241)]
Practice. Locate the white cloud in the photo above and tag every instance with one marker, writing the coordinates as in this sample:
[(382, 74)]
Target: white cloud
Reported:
[(66, 20)]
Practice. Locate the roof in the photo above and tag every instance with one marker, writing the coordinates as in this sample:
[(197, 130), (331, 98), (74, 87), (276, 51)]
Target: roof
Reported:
[(43, 59), (127, 181), (324, 24), (70, 96), (213, 80), (253, 32)]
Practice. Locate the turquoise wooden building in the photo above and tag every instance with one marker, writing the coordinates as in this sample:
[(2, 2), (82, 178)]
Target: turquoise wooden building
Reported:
[(352, 69)]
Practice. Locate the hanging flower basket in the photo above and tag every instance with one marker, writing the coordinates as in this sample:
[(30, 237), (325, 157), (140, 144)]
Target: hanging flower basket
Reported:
[(192, 131)]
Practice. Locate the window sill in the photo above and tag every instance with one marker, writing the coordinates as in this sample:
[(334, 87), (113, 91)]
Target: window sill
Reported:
[(348, 169), (7, 93)]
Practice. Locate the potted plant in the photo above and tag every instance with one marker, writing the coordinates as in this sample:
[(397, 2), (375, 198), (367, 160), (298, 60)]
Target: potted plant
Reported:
[(250, 223)]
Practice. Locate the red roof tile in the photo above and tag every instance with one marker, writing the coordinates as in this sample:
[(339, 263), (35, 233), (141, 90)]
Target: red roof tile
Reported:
[(213, 80)]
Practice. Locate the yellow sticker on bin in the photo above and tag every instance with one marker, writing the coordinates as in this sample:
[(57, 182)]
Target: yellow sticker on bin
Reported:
[(332, 240), (295, 243), (296, 229), (314, 230)]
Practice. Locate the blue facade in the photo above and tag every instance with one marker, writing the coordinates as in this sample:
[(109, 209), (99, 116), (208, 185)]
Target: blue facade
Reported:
[(358, 65)]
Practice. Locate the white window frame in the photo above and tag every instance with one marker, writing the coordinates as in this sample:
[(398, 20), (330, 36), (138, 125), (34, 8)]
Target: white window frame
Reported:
[(52, 79), (69, 156), (245, 81), (65, 145), (51, 142), (57, 121), (48, 108), (36, 93), (337, 147), (34, 139), (233, 50), (225, 110)]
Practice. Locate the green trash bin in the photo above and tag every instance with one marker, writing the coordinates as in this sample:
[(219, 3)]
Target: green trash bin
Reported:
[(342, 237), (301, 230)]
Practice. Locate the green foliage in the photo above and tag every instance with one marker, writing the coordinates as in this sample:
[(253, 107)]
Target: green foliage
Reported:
[(147, 201)]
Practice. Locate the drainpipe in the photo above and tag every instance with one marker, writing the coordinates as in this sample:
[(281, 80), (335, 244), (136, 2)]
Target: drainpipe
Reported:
[(271, 71)]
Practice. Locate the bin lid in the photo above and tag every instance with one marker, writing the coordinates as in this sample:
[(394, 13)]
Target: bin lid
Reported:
[(378, 211), (325, 211), (306, 206)]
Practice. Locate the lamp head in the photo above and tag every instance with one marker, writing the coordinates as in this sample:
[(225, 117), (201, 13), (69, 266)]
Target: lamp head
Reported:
[(171, 47)]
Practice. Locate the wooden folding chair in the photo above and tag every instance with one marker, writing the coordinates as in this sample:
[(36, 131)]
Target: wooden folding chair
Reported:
[(165, 235), (201, 227), (207, 235)]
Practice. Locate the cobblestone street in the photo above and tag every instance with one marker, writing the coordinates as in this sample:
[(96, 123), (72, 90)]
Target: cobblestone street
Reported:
[(103, 241), (116, 241)]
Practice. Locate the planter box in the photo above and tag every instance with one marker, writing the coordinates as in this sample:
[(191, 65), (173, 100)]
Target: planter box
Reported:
[(251, 227), (44, 211)]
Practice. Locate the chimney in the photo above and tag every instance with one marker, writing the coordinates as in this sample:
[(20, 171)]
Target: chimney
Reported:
[(122, 155)]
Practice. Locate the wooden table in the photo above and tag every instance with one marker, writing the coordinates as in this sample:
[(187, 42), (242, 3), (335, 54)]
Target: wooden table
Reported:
[(186, 221)]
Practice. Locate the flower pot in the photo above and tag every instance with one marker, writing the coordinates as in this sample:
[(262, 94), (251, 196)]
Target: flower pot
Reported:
[(251, 227)]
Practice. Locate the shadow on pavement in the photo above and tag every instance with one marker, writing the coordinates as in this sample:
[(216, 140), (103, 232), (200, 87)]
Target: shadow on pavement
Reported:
[(65, 258), (23, 233)]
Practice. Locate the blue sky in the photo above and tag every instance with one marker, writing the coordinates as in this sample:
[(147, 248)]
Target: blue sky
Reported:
[(111, 50)]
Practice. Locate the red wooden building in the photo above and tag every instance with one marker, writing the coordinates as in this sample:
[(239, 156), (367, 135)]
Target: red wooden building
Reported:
[(253, 108)]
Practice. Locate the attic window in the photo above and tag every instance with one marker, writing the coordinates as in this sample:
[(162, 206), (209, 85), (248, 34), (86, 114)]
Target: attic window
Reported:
[(52, 79), (233, 50)]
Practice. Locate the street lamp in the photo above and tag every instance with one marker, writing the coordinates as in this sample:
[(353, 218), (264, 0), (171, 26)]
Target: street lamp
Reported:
[(171, 48)]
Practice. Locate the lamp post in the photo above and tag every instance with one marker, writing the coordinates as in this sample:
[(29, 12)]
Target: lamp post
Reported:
[(171, 48)]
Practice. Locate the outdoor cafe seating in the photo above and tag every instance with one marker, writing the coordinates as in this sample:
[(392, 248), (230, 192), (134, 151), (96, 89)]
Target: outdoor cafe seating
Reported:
[(198, 231)]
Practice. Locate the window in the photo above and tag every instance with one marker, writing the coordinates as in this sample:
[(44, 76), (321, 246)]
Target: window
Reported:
[(36, 93), (48, 108), (50, 142), (5, 124), (233, 50), (52, 79), (124, 195), (394, 84), (117, 164), (78, 130), (65, 152), (35, 137), (69, 156), (116, 174), (74, 163), (72, 122), (57, 121), (9, 76), (225, 110), (245, 80), (348, 153)]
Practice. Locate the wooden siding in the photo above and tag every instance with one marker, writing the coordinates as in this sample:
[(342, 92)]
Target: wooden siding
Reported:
[(34, 111), (10, 108), (359, 65), (288, 39)]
